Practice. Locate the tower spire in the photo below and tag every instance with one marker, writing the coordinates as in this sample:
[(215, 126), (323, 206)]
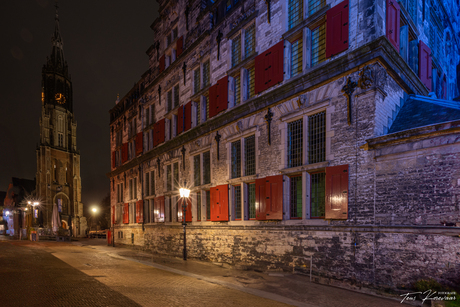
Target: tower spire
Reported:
[(57, 39), (57, 53)]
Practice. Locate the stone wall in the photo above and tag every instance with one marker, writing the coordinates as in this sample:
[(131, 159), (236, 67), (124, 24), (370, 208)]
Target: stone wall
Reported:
[(371, 257)]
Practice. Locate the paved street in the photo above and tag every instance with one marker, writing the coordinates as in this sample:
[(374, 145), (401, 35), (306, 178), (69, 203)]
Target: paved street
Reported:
[(88, 273)]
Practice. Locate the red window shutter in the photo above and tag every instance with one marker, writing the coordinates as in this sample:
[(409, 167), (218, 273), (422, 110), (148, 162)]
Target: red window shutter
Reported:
[(219, 203), (222, 95), (124, 152), (274, 198), (188, 213), (159, 209), (393, 20), (212, 100), (337, 29), (179, 46), (162, 63), (424, 64), (276, 70), (180, 120), (139, 143), (269, 68), (259, 75), (139, 211), (161, 131), (337, 192), (114, 159), (261, 197), (126, 213), (188, 116)]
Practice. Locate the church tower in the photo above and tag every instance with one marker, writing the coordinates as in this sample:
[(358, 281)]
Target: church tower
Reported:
[(58, 159)]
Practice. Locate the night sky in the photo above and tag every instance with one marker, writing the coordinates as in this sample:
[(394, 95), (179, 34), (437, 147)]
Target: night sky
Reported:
[(104, 44)]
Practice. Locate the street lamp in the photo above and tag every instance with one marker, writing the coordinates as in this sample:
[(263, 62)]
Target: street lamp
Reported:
[(184, 193), (94, 214)]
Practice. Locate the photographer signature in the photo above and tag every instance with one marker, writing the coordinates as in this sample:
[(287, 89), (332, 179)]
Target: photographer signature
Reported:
[(429, 295)]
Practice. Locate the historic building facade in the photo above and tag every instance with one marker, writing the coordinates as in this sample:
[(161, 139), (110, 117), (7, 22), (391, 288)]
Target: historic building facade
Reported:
[(296, 126), (58, 159)]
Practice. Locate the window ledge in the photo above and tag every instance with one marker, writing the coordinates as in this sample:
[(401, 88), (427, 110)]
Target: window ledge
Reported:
[(307, 22), (243, 63), (202, 187), (305, 168), (243, 179)]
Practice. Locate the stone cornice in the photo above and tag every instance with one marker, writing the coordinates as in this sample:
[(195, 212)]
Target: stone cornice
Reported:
[(379, 50), (413, 134)]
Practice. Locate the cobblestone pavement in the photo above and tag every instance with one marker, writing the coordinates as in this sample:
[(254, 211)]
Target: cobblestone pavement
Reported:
[(89, 273)]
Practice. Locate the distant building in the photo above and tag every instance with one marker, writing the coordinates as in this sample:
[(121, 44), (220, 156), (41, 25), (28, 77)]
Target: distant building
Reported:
[(14, 207), (2, 220), (320, 131), (58, 159)]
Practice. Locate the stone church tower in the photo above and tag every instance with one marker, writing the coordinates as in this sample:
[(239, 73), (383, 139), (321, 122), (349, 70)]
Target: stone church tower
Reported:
[(58, 159)]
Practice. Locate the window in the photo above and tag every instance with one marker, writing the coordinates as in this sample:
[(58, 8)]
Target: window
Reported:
[(236, 159), (295, 143), (174, 34), (135, 187), (318, 194), (152, 183), (120, 192), (147, 116), (198, 206), (198, 113), (318, 45), (170, 102), (295, 13), (176, 96), (168, 178), (147, 184), (196, 80), (250, 40), (206, 103), (152, 113), (296, 57), (251, 89), (315, 5), (176, 175), (236, 50), (61, 139), (252, 200), (296, 197), (208, 205), (206, 167), (317, 138), (250, 155), (237, 90), (206, 74), (237, 201), (197, 170), (130, 189)]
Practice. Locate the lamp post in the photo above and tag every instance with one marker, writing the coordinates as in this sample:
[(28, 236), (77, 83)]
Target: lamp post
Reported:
[(94, 214), (184, 193)]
